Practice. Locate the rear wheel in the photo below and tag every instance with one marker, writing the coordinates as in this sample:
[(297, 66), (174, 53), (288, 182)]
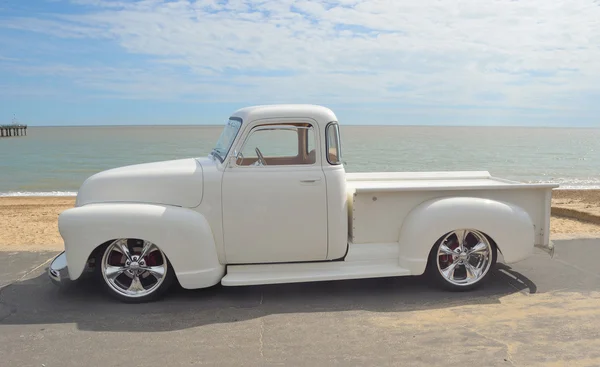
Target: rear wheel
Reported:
[(461, 260), (134, 270)]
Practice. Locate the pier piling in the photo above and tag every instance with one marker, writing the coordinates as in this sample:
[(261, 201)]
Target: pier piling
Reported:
[(13, 130)]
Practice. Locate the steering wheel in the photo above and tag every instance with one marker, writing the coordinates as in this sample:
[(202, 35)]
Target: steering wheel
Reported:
[(260, 156)]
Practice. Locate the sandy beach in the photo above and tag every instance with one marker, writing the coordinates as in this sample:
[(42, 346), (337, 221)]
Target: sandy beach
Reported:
[(30, 223)]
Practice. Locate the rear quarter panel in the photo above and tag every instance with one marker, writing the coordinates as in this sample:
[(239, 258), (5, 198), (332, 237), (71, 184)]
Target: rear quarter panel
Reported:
[(380, 217), (377, 217)]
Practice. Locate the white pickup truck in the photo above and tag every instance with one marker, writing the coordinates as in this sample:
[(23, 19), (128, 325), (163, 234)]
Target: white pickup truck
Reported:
[(273, 204)]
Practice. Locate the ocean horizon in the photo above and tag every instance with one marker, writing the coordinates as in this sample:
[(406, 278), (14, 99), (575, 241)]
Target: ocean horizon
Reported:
[(54, 161), (580, 127)]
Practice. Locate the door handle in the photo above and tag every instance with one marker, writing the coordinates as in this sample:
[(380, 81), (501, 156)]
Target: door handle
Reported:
[(311, 180)]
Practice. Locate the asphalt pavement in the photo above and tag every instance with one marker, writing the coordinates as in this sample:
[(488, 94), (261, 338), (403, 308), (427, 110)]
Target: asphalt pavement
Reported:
[(539, 312)]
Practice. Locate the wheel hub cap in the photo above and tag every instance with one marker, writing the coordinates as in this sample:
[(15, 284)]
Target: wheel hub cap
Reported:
[(135, 264)]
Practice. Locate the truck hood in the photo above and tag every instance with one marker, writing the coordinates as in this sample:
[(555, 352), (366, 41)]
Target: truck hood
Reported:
[(175, 182)]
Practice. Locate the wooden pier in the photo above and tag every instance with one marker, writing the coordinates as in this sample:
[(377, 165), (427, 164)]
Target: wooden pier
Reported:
[(12, 130)]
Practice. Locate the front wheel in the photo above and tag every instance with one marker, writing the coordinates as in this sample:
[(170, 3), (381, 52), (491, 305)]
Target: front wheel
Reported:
[(134, 270), (461, 260)]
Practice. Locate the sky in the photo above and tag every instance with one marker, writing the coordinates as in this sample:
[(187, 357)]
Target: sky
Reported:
[(380, 62)]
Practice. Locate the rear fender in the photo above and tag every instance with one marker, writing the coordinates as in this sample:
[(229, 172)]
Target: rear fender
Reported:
[(182, 234), (509, 226)]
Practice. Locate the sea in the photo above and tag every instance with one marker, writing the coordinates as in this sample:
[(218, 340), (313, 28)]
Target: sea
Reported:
[(54, 161)]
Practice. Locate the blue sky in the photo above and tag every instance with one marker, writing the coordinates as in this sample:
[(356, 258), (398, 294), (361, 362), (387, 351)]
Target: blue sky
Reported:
[(426, 62)]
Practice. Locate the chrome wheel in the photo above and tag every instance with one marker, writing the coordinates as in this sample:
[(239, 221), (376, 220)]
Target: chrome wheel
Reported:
[(464, 257), (133, 268)]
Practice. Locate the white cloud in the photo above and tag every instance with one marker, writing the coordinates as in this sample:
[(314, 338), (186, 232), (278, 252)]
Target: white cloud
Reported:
[(498, 53), (6, 58)]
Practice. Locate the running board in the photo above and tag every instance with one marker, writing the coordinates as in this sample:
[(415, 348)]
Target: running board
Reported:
[(310, 272)]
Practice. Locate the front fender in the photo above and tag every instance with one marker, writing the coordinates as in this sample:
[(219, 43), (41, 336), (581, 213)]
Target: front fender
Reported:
[(508, 225), (184, 236)]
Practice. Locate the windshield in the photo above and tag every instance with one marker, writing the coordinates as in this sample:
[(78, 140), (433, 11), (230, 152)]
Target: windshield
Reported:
[(226, 139)]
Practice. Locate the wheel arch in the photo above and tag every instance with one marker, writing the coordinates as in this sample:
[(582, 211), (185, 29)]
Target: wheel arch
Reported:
[(508, 226), (182, 234)]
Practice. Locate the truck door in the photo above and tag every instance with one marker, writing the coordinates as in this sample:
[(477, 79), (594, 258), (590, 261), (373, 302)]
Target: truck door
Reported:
[(275, 197)]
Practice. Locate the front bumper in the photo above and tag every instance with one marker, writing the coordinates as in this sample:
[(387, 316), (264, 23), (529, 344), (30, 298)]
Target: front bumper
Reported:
[(58, 270)]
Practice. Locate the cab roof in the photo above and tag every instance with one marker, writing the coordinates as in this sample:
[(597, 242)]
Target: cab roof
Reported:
[(322, 115)]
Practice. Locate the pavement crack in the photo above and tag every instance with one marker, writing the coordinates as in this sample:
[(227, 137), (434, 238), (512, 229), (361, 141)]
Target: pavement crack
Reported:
[(33, 270), (578, 268), (9, 310), (525, 291), (261, 331), (506, 345), (260, 338), (12, 310), (29, 272)]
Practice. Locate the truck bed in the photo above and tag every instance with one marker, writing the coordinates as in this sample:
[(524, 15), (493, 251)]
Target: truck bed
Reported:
[(379, 202), (427, 181)]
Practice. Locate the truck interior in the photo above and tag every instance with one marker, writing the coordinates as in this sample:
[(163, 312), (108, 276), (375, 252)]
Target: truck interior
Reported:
[(279, 144)]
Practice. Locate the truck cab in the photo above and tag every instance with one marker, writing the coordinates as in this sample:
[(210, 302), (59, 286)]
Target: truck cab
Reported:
[(282, 173)]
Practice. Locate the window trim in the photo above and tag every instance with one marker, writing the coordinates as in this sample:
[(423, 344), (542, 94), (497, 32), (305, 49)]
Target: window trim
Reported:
[(338, 142)]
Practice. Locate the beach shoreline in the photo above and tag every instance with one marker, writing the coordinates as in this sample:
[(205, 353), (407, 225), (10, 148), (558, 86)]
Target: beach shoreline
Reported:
[(30, 223)]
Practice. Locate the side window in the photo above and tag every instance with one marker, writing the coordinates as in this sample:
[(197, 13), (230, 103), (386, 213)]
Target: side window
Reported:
[(334, 152), (276, 145)]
